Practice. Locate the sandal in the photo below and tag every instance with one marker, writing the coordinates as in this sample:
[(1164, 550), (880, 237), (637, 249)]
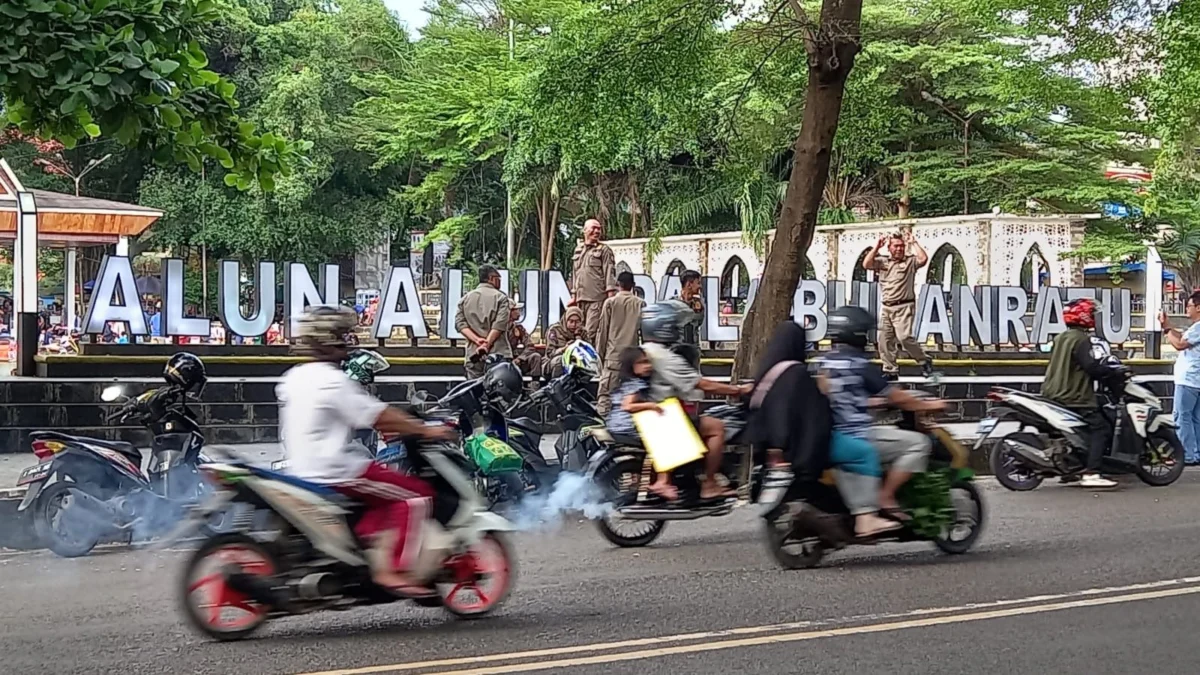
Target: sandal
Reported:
[(881, 530), (895, 514), (667, 492)]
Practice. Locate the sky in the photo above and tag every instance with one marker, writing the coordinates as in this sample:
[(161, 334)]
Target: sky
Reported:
[(410, 13)]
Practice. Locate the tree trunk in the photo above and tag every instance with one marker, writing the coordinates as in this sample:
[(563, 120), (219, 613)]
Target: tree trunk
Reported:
[(832, 47), (635, 206)]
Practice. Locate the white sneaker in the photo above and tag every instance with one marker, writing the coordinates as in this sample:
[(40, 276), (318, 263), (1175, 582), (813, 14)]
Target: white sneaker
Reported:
[(1094, 480)]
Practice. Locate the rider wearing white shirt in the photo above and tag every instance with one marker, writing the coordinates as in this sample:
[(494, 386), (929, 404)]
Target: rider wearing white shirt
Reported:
[(320, 410)]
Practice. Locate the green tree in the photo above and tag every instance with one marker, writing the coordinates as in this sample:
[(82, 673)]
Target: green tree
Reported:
[(297, 64), (133, 70)]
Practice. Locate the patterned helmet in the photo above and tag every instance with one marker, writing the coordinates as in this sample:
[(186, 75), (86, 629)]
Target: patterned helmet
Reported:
[(1080, 313), (580, 356), (322, 328)]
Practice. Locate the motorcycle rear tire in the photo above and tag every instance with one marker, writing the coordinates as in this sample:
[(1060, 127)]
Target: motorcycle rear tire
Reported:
[(1168, 436), (44, 529), (811, 556), (996, 463), (608, 475), (210, 546)]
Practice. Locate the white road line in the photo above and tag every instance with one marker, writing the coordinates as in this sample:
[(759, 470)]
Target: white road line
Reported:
[(882, 622)]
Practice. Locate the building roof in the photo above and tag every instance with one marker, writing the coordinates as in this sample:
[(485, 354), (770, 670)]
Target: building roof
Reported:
[(70, 219)]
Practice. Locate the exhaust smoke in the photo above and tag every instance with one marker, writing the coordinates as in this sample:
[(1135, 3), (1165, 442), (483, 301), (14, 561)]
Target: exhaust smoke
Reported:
[(571, 493)]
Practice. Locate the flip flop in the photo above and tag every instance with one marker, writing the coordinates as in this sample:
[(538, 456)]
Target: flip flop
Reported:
[(873, 534), (895, 514)]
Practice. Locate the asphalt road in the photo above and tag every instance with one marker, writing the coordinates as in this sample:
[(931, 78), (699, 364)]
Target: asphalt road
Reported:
[(1064, 581)]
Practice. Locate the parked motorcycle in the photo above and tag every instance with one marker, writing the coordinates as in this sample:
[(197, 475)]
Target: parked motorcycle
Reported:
[(498, 466), (312, 560), (566, 407), (943, 504), (86, 489), (1143, 441), (623, 470)]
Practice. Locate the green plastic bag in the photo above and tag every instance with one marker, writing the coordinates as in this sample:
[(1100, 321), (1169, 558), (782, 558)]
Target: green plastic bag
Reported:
[(492, 455)]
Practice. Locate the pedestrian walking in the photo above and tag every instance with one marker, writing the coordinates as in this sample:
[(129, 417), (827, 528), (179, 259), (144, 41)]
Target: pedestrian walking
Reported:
[(619, 319), (483, 318), (1187, 377), (897, 286), (592, 277)]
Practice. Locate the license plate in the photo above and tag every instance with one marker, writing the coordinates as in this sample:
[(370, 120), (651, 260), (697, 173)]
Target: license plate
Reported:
[(279, 465), (34, 473), (986, 426)]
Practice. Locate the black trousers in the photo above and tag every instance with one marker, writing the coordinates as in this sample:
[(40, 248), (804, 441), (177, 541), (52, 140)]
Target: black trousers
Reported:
[(1099, 436)]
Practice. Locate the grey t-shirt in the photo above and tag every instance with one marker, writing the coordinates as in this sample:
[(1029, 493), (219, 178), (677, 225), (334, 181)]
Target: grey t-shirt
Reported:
[(673, 375)]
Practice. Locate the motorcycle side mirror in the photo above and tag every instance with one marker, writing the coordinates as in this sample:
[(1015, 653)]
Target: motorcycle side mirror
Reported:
[(111, 394)]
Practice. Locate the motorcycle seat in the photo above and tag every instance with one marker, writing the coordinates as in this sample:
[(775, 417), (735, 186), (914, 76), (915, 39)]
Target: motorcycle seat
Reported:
[(122, 447), (526, 425), (629, 440), (316, 488)]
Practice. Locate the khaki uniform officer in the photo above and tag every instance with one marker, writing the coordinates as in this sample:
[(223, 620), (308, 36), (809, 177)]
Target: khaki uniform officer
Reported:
[(619, 320), (483, 319), (592, 277)]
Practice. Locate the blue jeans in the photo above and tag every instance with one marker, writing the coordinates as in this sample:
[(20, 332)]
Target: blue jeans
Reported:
[(1187, 419)]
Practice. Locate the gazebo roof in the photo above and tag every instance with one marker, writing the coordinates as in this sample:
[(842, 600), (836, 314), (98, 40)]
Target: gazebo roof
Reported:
[(64, 219)]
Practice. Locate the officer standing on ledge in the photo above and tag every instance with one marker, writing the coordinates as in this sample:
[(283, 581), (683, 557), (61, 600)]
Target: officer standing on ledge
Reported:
[(897, 278), (593, 277)]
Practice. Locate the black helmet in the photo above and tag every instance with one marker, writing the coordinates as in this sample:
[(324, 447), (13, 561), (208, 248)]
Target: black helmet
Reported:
[(503, 381), (185, 371), (850, 325), (660, 323)]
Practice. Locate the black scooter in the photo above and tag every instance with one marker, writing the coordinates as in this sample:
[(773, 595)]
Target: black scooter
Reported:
[(85, 490), (623, 471)]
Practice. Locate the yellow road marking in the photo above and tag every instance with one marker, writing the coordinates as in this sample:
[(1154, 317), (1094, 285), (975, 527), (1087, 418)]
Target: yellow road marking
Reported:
[(947, 615)]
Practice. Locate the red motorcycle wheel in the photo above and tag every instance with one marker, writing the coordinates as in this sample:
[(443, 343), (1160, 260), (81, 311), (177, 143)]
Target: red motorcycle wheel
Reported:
[(479, 579), (211, 605)]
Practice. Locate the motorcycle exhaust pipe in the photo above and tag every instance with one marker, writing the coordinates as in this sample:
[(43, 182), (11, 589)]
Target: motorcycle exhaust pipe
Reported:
[(254, 586), (318, 585), (643, 513), (1033, 457), (98, 506)]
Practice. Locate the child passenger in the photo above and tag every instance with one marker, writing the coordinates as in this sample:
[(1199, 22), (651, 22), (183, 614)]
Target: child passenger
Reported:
[(631, 397)]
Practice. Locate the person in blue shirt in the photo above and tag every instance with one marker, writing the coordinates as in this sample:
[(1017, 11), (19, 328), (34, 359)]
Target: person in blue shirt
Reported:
[(852, 382), (1187, 377)]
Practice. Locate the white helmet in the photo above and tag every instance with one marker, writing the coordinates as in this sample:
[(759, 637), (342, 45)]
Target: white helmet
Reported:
[(580, 356)]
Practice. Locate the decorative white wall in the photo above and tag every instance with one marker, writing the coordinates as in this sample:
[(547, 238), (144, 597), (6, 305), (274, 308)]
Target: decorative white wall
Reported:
[(992, 246)]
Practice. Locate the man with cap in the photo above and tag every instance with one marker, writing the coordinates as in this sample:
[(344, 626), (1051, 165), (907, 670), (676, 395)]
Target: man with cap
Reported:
[(592, 277)]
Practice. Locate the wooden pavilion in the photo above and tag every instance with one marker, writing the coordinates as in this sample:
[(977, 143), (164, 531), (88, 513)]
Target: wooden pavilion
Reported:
[(35, 219)]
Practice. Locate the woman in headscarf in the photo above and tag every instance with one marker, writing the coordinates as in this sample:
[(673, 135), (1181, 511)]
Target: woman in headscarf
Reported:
[(558, 337), (783, 387)]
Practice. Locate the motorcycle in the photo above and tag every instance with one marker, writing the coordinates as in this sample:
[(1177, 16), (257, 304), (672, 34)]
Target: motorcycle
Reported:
[(943, 505), (622, 469), (86, 489), (566, 401), (1143, 440), (498, 467), (312, 560)]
